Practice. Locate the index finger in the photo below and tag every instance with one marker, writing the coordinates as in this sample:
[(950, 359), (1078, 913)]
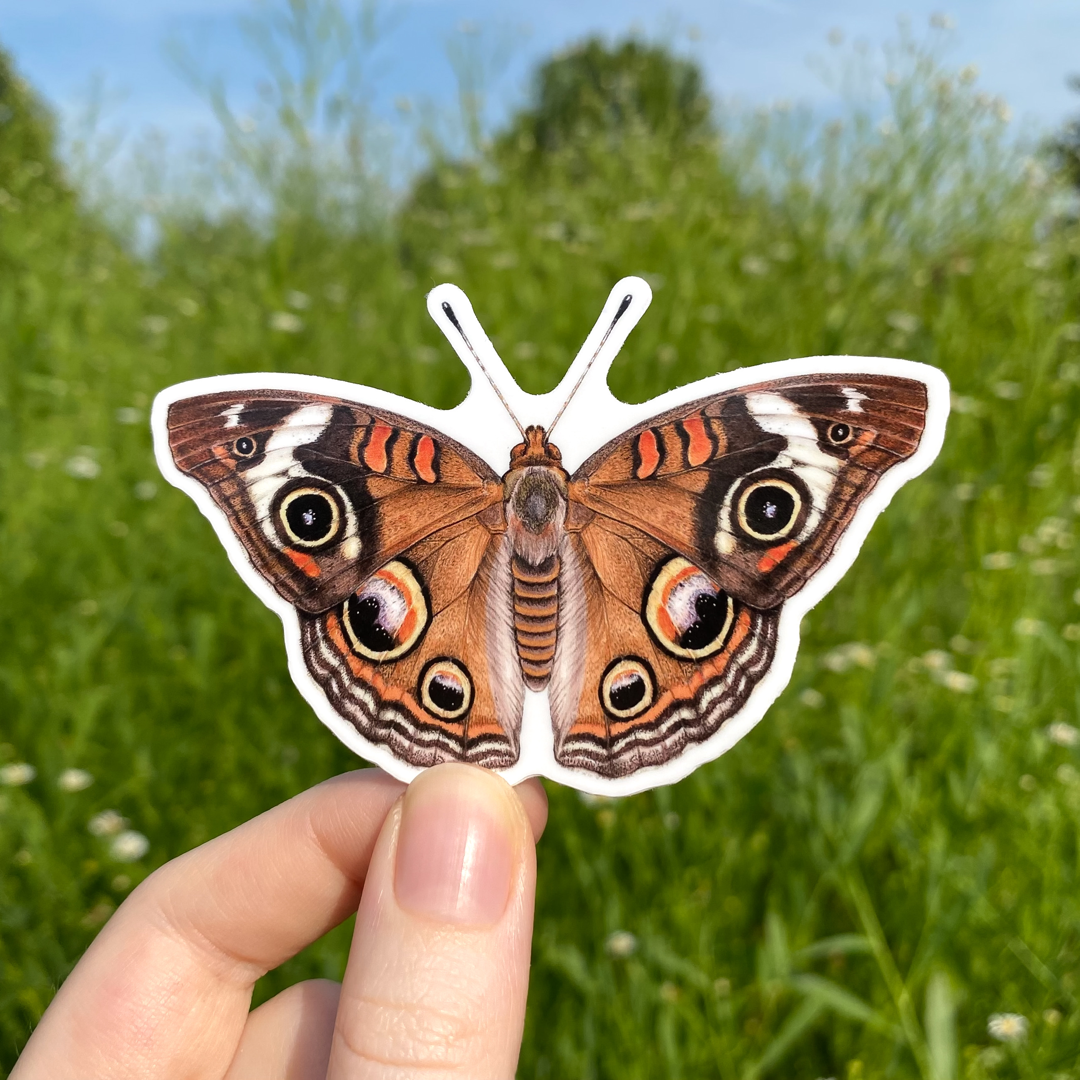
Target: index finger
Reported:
[(165, 988)]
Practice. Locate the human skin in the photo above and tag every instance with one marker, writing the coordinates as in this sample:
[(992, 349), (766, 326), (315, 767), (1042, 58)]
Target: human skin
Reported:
[(441, 876)]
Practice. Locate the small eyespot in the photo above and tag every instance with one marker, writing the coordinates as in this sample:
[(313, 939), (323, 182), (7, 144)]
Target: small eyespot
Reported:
[(310, 517), (768, 509), (840, 434), (686, 612), (445, 688), (244, 446), (627, 688), (387, 616)]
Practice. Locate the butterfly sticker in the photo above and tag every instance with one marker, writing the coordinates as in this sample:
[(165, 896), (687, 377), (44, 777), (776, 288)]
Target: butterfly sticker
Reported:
[(610, 610)]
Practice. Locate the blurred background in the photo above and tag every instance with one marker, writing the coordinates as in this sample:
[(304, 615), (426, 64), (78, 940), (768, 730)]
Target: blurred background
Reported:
[(881, 880)]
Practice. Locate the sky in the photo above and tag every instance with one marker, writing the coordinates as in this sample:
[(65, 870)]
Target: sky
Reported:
[(753, 51)]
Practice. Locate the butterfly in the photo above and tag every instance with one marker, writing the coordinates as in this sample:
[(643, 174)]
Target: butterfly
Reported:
[(609, 610)]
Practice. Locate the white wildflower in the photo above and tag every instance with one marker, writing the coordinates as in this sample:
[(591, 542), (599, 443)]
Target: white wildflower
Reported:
[(621, 944), (74, 780), (594, 800), (937, 660), (904, 321), (999, 560), (1027, 627), (145, 490), (426, 354), (1007, 1027), (297, 300), (811, 698), (129, 846), (754, 265), (1046, 567), (128, 415), (959, 681), (155, 324), (526, 350), (286, 322), (1063, 734), (1067, 774), (854, 653), (17, 774), (82, 467), (1008, 390), (106, 823), (964, 492), (969, 73), (1041, 475)]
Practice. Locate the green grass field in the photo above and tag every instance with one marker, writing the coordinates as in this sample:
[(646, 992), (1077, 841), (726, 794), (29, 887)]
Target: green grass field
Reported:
[(887, 861)]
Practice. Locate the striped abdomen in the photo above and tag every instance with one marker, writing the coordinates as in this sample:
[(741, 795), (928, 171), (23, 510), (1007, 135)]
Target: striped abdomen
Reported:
[(536, 616)]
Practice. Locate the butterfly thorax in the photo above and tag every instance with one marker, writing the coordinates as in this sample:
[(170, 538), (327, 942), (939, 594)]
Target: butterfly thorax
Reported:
[(534, 490)]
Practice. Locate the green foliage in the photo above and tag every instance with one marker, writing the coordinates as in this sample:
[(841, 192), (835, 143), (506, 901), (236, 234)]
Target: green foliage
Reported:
[(593, 92), (889, 859)]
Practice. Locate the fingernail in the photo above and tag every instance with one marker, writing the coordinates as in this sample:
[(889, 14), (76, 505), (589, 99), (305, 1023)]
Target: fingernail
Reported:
[(456, 847)]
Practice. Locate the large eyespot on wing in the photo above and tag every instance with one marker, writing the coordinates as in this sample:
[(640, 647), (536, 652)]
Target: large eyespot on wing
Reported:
[(770, 506), (385, 619), (309, 516), (685, 611)]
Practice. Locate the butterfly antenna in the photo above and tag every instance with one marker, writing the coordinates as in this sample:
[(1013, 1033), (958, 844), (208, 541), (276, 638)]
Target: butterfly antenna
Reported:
[(592, 360), (448, 311)]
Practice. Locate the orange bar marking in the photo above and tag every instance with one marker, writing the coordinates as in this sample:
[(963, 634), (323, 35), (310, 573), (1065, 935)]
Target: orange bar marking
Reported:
[(424, 459), (304, 563), (649, 453), (775, 556), (375, 451), (700, 449)]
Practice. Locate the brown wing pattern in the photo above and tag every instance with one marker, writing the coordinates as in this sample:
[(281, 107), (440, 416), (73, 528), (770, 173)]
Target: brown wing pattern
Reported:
[(757, 485), (455, 691), (629, 690), (321, 492)]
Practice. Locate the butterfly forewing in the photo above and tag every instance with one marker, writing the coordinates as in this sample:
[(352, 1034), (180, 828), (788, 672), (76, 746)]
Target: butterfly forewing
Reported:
[(757, 485), (321, 492)]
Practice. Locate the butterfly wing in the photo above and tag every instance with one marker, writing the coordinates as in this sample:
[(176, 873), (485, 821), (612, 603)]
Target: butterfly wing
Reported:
[(387, 537), (687, 534), (628, 689), (420, 658), (757, 485), (322, 492)]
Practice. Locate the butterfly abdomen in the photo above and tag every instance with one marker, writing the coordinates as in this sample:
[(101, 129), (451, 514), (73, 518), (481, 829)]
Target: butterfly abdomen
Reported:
[(536, 617)]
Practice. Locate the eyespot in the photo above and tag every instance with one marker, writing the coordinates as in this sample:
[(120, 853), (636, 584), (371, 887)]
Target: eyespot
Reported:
[(840, 434), (627, 688), (387, 616), (446, 690), (686, 612), (768, 509), (244, 446), (310, 517)]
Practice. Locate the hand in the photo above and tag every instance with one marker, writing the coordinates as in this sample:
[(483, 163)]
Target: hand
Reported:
[(444, 873)]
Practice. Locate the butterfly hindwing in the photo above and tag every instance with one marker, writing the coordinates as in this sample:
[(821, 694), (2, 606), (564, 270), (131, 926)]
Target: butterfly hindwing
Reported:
[(652, 655), (322, 492), (420, 658), (757, 485)]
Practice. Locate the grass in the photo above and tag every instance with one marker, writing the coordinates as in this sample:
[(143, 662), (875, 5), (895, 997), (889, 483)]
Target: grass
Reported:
[(887, 861)]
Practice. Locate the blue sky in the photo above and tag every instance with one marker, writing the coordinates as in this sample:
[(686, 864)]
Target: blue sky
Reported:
[(755, 51)]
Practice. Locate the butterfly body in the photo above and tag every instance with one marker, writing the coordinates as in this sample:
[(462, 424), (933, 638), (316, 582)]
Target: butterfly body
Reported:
[(611, 623)]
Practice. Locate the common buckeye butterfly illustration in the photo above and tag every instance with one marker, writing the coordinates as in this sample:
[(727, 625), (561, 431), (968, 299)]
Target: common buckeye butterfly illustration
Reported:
[(610, 610)]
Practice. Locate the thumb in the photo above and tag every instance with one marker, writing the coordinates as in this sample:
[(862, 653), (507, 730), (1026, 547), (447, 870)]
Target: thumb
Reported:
[(439, 967)]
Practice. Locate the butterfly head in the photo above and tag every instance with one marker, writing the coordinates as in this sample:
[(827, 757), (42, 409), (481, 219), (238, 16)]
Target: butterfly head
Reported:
[(535, 450)]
